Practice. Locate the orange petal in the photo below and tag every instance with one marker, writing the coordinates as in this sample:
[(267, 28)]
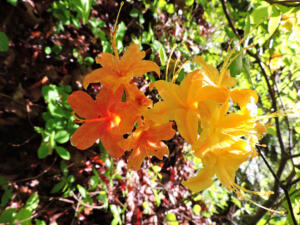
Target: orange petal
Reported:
[(136, 159), (107, 60), (102, 75), (161, 132), (111, 144), (83, 104), (86, 135), (132, 55), (158, 149)]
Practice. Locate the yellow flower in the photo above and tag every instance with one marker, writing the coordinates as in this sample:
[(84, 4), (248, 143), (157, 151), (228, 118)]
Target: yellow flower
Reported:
[(180, 103), (222, 162), (212, 75), (220, 128)]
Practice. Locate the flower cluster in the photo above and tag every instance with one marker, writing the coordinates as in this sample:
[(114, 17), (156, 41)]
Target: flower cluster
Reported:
[(202, 107), (119, 109)]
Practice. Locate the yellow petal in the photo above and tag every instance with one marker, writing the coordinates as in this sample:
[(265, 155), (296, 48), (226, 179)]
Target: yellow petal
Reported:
[(202, 181), (187, 124), (243, 96), (211, 73)]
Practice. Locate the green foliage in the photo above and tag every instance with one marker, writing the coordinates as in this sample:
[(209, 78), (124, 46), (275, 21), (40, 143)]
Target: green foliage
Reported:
[(171, 219), (66, 183), (59, 124), (13, 2), (20, 216), (4, 42), (7, 195), (71, 12)]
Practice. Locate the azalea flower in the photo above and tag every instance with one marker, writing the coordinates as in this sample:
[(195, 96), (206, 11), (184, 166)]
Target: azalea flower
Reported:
[(212, 76), (106, 118), (180, 103), (222, 162), (137, 99), (116, 72), (220, 128), (146, 141)]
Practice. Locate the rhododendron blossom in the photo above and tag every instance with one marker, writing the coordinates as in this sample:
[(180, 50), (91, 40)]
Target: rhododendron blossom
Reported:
[(106, 118), (146, 141), (116, 72)]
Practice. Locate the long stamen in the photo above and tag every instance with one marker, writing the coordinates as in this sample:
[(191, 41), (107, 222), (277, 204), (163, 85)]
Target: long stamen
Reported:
[(169, 60), (114, 41)]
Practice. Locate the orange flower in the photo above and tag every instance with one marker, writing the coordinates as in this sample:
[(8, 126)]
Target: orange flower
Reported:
[(116, 72), (137, 99), (146, 141), (106, 118)]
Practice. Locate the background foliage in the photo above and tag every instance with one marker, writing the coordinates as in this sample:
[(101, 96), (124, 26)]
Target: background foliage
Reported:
[(46, 48)]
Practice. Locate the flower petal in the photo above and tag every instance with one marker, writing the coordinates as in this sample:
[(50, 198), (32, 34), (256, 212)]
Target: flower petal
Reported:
[(135, 159), (102, 75), (86, 135), (83, 104), (142, 67), (187, 124), (111, 144), (202, 181), (243, 97)]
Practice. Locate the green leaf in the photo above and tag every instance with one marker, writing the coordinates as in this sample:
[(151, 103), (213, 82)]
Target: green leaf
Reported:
[(247, 25), (4, 42), (6, 196), (8, 216), (57, 187), (259, 14), (62, 152), (83, 8), (89, 60), (171, 219), (197, 209), (13, 2), (39, 222), (82, 191), (170, 8), (274, 21), (189, 2), (47, 50), (236, 67), (24, 216), (162, 56), (43, 151), (162, 3), (62, 136), (134, 13), (32, 202), (57, 49)]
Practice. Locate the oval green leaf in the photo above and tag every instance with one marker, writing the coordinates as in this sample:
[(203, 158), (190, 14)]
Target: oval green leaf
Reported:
[(4, 42), (62, 152)]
